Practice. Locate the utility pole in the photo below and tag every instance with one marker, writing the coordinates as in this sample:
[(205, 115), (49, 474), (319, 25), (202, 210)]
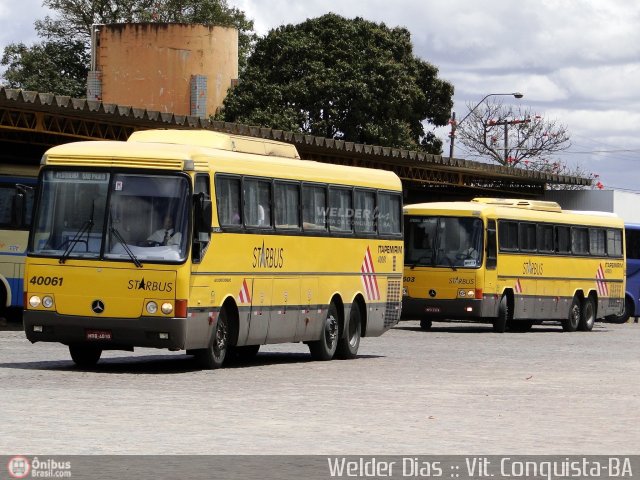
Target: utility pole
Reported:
[(505, 123)]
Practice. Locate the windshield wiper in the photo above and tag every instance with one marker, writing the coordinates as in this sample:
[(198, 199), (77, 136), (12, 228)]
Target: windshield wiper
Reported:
[(116, 234), (86, 228), (450, 262)]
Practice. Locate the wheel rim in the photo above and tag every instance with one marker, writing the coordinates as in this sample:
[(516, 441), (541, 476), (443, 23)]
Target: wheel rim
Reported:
[(220, 342), (331, 330), (574, 318)]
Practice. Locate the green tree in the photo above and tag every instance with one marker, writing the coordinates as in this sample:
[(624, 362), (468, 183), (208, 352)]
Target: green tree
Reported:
[(59, 67), (70, 31), (348, 79)]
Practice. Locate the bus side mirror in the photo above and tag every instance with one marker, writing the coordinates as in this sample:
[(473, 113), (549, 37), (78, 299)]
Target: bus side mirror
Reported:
[(202, 215), (19, 204)]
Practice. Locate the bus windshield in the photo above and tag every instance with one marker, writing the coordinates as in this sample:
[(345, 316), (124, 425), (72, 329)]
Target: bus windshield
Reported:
[(115, 216), (452, 242)]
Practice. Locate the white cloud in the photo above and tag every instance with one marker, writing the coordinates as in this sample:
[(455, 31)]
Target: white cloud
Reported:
[(575, 60)]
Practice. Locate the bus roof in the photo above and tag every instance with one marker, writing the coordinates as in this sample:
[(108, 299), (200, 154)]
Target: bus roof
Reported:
[(546, 213), (203, 150)]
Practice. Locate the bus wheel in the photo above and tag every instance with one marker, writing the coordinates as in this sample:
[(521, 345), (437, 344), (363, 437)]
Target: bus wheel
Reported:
[(348, 345), (425, 323), (588, 315), (500, 322), (213, 356), (573, 318), (85, 356), (628, 310), (324, 348)]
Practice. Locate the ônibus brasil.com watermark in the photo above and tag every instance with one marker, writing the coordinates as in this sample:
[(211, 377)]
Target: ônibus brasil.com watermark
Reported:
[(23, 467)]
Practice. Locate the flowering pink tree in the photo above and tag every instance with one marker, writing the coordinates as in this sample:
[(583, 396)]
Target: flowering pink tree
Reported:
[(516, 137)]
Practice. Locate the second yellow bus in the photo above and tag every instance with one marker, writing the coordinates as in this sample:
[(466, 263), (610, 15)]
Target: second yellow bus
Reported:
[(512, 263)]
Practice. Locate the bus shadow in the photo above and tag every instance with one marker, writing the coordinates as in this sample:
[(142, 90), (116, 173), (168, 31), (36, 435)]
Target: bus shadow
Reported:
[(166, 364), (485, 328)]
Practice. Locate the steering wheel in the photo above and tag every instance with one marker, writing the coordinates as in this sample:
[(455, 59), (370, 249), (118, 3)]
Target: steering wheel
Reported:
[(149, 243)]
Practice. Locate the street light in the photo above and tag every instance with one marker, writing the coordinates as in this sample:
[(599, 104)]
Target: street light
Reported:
[(455, 124)]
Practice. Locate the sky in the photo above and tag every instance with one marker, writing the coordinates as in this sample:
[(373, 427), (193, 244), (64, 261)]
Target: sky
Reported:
[(577, 62)]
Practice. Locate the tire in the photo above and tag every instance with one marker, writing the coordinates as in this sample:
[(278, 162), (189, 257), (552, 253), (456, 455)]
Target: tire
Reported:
[(349, 342), (628, 310), (324, 348), (573, 317), (85, 356), (504, 316), (587, 315), (213, 356), (425, 323)]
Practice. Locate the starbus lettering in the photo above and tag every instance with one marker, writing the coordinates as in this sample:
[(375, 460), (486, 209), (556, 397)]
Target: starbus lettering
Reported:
[(150, 286), (531, 268), (268, 257)]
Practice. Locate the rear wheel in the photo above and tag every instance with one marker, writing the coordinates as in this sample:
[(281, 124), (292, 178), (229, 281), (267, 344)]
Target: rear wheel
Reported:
[(425, 324), (85, 355), (628, 311), (213, 356), (500, 322), (348, 344), (588, 315), (325, 348), (573, 318)]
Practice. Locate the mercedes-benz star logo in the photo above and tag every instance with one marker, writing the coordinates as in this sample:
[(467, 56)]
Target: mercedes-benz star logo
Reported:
[(97, 306)]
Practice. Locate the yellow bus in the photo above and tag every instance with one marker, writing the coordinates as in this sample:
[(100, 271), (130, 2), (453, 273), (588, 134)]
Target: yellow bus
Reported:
[(210, 243), (17, 185), (511, 263)]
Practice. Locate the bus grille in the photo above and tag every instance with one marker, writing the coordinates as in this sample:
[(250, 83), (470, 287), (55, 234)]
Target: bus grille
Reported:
[(394, 299)]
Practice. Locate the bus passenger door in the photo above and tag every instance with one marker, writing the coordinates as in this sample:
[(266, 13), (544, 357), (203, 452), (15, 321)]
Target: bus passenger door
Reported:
[(490, 294), (285, 310), (260, 306)]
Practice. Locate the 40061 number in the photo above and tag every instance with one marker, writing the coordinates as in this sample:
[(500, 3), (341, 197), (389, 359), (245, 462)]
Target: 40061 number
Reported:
[(47, 281)]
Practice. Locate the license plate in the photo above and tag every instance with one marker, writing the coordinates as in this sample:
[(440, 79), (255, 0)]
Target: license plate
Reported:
[(98, 334), (432, 309)]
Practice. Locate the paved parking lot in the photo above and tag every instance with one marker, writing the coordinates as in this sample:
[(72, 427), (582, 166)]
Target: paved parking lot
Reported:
[(458, 389)]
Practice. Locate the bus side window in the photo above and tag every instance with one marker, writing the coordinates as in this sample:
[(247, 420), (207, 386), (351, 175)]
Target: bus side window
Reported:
[(492, 250)]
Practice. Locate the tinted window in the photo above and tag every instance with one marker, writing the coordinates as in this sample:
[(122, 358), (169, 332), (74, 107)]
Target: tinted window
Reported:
[(363, 216), (228, 200), (340, 210), (580, 241), (287, 205), (389, 213), (614, 243), (528, 237), (545, 238), (257, 203), (597, 241), (563, 239), (508, 235), (314, 207)]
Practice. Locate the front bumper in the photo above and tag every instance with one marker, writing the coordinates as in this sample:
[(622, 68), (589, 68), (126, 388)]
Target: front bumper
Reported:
[(125, 333)]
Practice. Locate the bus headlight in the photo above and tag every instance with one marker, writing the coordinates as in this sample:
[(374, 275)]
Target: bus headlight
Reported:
[(166, 308), (47, 302), (152, 308), (34, 301)]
